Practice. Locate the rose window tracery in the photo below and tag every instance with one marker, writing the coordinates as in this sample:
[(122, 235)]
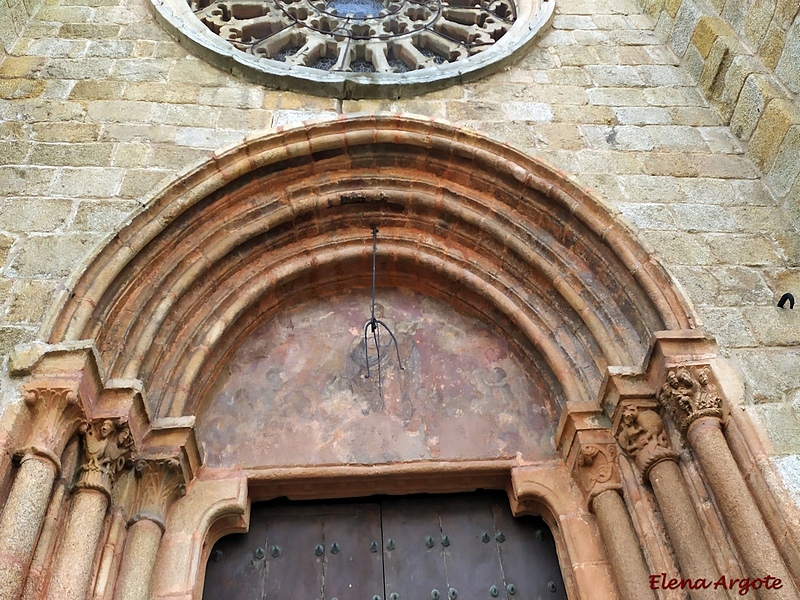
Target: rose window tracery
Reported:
[(363, 36)]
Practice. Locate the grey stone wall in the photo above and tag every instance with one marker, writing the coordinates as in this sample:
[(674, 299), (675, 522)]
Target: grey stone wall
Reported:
[(98, 104)]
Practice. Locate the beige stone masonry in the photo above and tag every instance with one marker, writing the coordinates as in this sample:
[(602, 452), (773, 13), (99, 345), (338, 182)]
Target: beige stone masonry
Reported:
[(742, 86)]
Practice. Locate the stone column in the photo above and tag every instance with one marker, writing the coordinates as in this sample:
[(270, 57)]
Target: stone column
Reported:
[(694, 402), (643, 438), (107, 447), (56, 416), (161, 481), (596, 471)]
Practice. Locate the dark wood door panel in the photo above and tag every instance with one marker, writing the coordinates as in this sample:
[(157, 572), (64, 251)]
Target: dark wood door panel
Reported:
[(461, 547)]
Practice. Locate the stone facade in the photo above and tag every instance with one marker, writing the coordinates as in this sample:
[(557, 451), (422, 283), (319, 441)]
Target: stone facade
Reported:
[(681, 116)]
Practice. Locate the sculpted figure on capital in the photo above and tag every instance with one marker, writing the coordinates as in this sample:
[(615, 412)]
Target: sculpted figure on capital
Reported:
[(108, 446), (689, 394), (643, 437)]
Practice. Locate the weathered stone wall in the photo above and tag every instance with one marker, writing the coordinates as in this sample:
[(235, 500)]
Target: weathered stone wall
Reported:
[(14, 15), (744, 57), (98, 105)]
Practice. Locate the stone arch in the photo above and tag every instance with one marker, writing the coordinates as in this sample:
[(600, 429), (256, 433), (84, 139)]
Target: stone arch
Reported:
[(286, 215), (500, 236)]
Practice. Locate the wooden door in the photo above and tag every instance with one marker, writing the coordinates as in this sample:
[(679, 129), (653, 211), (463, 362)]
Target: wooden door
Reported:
[(454, 547)]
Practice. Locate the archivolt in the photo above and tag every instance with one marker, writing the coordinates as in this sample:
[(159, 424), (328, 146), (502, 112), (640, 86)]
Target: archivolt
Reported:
[(286, 216)]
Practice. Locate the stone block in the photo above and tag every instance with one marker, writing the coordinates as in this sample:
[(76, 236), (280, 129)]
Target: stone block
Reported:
[(785, 169), (678, 248), (616, 97), (694, 116), (6, 242), (177, 93), (725, 91), (83, 68), (672, 7), (705, 190), (625, 137), (720, 140), (707, 31), (663, 26), (743, 249), (34, 214), (758, 90), (670, 164), (673, 96), (65, 132), (111, 48), (528, 111), (757, 20), (194, 71), (724, 166), (102, 215), (675, 138), (727, 326), (644, 115), (788, 68), (773, 326), (11, 336), (88, 31), (607, 161), (120, 111), (683, 27), (772, 46), (97, 90), (18, 181), (185, 115), (130, 156), (615, 76), (139, 182), (15, 89), (14, 152), (648, 216), (693, 63), (663, 75), (779, 115), (703, 217), (141, 69), (600, 115), (735, 12), (786, 11), (29, 301), (771, 371), (576, 55), (782, 424), (646, 189), (21, 66), (71, 154), (724, 285), (51, 256), (88, 182)]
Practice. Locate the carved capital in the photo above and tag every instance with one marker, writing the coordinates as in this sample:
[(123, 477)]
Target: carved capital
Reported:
[(160, 482), (108, 447), (57, 415), (595, 469), (689, 394), (642, 436)]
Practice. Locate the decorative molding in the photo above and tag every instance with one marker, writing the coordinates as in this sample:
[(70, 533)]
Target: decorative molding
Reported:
[(108, 447), (642, 436), (160, 482), (689, 394)]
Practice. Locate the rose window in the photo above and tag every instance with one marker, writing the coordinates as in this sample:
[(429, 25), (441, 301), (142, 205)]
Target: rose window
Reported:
[(357, 48), (365, 36)]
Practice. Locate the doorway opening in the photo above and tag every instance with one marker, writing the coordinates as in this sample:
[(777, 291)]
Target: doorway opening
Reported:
[(453, 546)]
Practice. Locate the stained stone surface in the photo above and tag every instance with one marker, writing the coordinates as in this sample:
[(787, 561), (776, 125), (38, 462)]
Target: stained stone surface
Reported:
[(295, 392)]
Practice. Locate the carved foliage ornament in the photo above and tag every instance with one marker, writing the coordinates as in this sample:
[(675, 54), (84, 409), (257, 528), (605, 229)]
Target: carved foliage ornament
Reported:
[(160, 482), (108, 446), (643, 438), (57, 415), (596, 469), (689, 394)]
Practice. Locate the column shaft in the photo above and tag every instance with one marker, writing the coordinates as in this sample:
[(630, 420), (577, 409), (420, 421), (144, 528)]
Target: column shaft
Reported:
[(742, 517), (21, 521), (138, 561), (73, 565), (633, 579), (683, 527)]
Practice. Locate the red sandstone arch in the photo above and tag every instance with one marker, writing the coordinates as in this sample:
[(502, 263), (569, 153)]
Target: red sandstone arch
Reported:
[(286, 215)]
